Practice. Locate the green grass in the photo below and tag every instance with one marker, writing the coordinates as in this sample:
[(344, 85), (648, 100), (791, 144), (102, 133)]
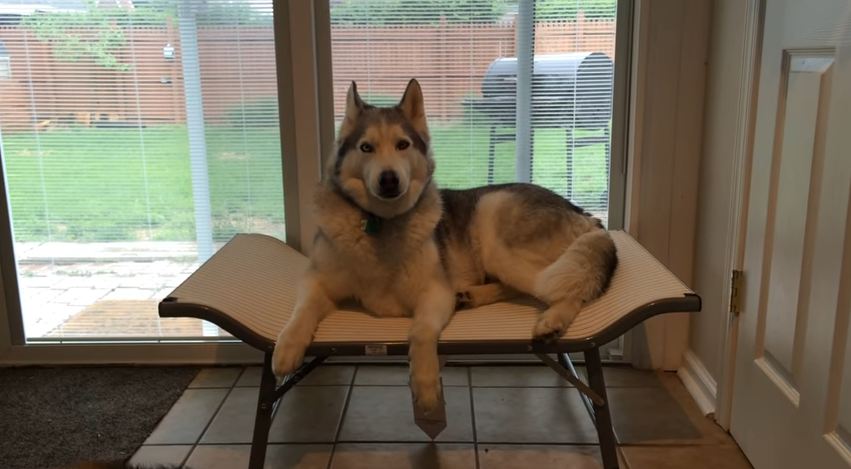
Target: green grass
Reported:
[(91, 184), (461, 152), (119, 184)]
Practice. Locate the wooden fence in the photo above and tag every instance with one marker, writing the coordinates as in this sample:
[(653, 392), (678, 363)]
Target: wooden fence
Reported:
[(238, 69)]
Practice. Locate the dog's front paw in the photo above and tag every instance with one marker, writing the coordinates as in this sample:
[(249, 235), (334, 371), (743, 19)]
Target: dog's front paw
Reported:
[(427, 398), (548, 329), (286, 358)]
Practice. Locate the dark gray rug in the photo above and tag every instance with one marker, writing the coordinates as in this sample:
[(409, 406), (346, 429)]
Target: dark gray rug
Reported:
[(59, 417)]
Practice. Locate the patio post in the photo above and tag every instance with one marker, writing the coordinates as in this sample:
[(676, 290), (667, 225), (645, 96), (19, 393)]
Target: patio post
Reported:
[(525, 40), (195, 129)]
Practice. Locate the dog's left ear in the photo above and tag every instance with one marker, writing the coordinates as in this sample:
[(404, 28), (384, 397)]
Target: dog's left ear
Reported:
[(413, 108)]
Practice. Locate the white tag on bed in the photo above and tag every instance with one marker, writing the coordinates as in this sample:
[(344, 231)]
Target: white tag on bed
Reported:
[(375, 350), (433, 423)]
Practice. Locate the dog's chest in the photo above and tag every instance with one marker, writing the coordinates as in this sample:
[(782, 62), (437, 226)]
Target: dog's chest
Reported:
[(390, 288), (385, 277)]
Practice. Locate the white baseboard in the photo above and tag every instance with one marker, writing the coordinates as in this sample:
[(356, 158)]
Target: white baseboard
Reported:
[(698, 382)]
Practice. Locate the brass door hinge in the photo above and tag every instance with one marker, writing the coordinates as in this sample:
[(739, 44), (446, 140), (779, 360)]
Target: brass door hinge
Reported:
[(736, 285)]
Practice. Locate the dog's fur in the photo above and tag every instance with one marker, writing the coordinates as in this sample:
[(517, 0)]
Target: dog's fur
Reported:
[(425, 251)]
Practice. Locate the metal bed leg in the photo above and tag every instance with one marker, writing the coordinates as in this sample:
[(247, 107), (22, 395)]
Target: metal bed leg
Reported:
[(267, 404), (602, 414), (564, 361), (263, 420)]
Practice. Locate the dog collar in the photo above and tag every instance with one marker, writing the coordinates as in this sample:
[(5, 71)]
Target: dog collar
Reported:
[(370, 223)]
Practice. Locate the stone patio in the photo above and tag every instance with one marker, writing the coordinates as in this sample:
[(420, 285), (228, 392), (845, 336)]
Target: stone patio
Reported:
[(75, 290)]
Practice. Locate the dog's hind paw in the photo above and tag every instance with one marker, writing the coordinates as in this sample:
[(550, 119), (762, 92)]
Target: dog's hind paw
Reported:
[(548, 329), (463, 300)]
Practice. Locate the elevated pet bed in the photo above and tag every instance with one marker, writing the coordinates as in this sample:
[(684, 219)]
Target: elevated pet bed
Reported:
[(249, 288)]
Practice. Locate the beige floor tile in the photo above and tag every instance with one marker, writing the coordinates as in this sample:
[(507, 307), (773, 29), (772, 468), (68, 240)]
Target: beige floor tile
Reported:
[(531, 415), (324, 375), (250, 378), (684, 457), (188, 416), (650, 415), (395, 375), (385, 413), (330, 375), (159, 455), (521, 456), (540, 375), (711, 433), (625, 376), (516, 376), (215, 377), (305, 414), (277, 457), (403, 456), (234, 422), (309, 414)]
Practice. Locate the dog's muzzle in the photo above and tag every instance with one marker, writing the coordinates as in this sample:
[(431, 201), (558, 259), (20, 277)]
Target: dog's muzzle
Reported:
[(388, 185)]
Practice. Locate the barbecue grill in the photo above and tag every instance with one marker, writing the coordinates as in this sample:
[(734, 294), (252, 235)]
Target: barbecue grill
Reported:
[(569, 91)]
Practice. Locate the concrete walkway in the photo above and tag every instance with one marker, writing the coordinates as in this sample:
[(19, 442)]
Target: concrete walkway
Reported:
[(59, 280)]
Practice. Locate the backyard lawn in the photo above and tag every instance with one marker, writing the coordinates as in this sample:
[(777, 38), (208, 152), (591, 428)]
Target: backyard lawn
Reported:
[(99, 184)]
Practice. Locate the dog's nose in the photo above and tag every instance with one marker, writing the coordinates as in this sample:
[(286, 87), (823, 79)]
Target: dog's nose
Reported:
[(388, 184)]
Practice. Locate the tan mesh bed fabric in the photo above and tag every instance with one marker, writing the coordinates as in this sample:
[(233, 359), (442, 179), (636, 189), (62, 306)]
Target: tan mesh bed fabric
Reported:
[(249, 288)]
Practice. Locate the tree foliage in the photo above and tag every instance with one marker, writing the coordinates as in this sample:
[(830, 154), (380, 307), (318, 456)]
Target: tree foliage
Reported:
[(550, 10), (95, 33), (98, 32), (401, 12)]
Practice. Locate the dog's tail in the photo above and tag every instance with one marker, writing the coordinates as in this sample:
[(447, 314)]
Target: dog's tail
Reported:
[(582, 273)]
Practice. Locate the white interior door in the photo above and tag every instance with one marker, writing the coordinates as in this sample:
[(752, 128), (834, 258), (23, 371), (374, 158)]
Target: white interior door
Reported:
[(792, 396)]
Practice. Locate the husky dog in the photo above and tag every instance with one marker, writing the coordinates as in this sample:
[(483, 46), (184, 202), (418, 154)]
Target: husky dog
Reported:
[(391, 240)]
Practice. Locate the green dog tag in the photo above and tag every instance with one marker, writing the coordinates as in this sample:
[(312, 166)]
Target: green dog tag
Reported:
[(371, 224)]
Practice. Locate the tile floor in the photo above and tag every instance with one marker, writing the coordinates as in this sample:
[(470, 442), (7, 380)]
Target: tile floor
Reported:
[(346, 416)]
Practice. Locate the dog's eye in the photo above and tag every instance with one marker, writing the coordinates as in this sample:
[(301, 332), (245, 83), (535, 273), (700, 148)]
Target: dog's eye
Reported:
[(402, 144), (366, 148)]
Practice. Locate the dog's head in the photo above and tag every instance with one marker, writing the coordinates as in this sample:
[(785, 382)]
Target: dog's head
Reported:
[(383, 159)]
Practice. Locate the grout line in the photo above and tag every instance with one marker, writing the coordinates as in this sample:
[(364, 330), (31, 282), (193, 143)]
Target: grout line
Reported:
[(342, 417), (239, 377), (473, 415), (392, 385), (468, 442)]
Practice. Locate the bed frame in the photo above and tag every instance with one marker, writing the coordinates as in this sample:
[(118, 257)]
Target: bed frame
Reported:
[(249, 287)]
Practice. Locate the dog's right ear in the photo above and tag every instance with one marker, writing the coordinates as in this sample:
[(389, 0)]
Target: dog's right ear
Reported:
[(354, 107)]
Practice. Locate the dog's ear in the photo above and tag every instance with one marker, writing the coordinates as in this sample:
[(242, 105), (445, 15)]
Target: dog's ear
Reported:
[(413, 108), (354, 107)]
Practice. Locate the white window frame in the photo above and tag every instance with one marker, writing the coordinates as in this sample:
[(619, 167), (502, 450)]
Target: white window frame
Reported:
[(307, 132)]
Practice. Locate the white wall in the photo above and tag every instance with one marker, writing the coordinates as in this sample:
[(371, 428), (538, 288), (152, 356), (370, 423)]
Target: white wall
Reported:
[(668, 99)]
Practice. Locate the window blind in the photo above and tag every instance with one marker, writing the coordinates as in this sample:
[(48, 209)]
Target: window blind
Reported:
[(494, 73), (133, 131)]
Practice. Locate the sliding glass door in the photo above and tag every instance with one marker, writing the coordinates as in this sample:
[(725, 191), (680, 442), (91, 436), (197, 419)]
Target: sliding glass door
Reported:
[(137, 137), (514, 90)]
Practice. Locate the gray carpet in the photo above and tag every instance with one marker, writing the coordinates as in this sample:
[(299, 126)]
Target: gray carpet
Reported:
[(59, 417)]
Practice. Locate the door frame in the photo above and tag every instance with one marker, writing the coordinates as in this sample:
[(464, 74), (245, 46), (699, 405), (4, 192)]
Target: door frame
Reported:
[(750, 54)]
